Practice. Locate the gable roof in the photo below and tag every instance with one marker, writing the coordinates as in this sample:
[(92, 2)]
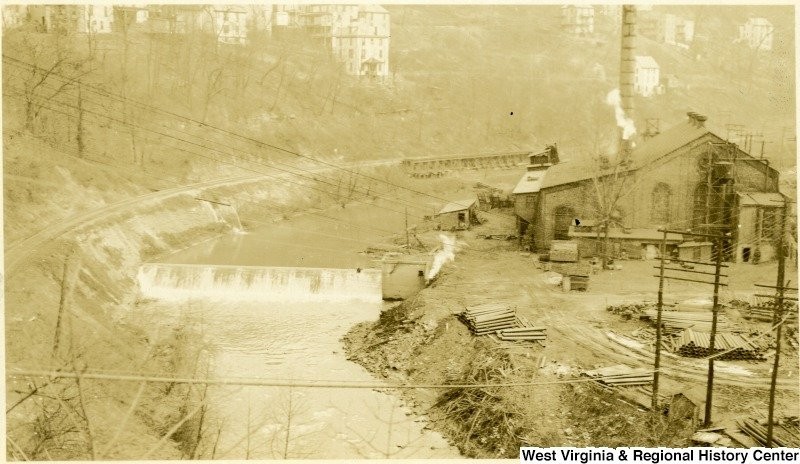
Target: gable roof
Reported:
[(649, 151), (531, 182), (646, 61), (459, 205)]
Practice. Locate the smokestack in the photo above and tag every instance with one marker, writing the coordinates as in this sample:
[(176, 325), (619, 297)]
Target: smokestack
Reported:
[(627, 68)]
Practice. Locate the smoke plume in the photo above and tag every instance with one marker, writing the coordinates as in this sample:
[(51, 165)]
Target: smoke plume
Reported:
[(623, 121), (444, 255)]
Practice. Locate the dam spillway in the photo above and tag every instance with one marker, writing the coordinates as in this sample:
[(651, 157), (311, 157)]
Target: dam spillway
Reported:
[(257, 283)]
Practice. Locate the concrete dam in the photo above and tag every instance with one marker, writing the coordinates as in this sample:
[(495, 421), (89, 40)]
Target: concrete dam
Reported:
[(256, 283)]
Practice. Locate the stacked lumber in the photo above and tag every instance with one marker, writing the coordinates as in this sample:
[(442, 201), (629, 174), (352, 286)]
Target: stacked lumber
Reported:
[(522, 333), (783, 434), (696, 344), (621, 376), (765, 311), (676, 321), (564, 251), (489, 318)]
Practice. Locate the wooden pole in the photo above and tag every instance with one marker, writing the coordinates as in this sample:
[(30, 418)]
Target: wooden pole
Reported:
[(714, 312), (776, 319), (408, 242), (659, 308), (69, 275)]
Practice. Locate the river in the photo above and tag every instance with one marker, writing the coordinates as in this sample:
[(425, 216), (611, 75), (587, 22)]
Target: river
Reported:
[(295, 337)]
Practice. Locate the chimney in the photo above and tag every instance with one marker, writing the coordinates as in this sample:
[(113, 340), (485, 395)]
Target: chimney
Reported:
[(627, 70), (697, 119)]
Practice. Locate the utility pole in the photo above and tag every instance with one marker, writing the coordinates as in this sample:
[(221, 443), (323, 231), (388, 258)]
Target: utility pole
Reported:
[(79, 136), (776, 320), (719, 241), (659, 309), (408, 243), (714, 314)]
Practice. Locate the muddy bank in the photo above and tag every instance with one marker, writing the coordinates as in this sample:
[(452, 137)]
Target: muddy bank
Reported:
[(422, 341), (82, 326)]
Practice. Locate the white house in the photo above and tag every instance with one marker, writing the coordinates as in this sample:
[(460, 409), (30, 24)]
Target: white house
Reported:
[(577, 19), (757, 33), (13, 15), (678, 31), (646, 76), (358, 35), (93, 19)]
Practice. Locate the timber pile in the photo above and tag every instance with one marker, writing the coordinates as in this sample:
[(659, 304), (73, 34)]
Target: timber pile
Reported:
[(676, 321), (523, 333), (784, 433), (621, 376), (489, 318), (563, 251), (765, 310), (696, 345)]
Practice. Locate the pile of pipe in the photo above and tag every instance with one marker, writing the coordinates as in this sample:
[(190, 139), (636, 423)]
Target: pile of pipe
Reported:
[(676, 321), (695, 344), (523, 333), (621, 376), (489, 318), (784, 434)]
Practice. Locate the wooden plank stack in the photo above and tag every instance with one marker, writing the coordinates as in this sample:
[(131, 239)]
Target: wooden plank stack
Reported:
[(489, 318), (783, 434), (564, 251), (765, 311), (676, 321), (695, 344), (621, 376), (522, 333)]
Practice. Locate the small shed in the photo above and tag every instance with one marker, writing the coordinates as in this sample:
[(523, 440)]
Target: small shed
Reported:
[(403, 277), (695, 251), (458, 215), (687, 404)]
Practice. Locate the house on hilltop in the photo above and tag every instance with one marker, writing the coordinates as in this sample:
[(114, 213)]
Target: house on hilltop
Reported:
[(646, 76), (757, 33), (357, 35), (577, 19), (81, 19), (684, 178)]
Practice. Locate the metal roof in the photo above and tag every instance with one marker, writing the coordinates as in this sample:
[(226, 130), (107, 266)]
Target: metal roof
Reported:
[(459, 205), (773, 199), (646, 61), (531, 182), (649, 151)]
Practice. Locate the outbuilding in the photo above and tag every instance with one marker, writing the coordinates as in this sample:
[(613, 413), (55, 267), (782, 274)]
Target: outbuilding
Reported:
[(458, 215)]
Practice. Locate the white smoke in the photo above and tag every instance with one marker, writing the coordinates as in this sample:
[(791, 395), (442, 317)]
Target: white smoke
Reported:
[(445, 254), (623, 121)]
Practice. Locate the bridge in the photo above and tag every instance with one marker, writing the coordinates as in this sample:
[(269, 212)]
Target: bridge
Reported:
[(438, 166)]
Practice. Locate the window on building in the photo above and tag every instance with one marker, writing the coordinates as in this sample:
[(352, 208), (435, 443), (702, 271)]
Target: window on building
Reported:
[(699, 205), (562, 219), (659, 206)]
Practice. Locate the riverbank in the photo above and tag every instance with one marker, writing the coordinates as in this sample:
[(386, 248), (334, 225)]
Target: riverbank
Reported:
[(422, 341), (68, 291)]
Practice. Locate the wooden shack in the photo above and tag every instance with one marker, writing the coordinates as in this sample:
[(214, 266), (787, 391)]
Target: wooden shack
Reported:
[(458, 215), (695, 251)]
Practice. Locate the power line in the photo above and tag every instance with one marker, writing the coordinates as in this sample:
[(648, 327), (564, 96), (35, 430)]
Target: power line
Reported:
[(219, 151), (244, 137), (16, 372)]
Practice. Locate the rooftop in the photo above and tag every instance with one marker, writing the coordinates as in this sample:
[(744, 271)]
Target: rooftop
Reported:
[(459, 205), (645, 61), (649, 151), (774, 199), (531, 182)]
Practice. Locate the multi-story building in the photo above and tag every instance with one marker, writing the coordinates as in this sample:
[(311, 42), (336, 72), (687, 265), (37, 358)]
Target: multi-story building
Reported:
[(13, 15), (677, 31), (228, 23), (358, 35), (92, 19), (757, 33), (577, 19), (646, 76)]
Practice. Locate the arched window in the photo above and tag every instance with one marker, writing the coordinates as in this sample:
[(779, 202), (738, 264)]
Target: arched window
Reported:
[(660, 202), (699, 205), (562, 219)]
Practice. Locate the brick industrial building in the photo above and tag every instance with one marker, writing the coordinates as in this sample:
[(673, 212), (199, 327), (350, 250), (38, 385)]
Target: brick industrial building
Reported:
[(685, 178)]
